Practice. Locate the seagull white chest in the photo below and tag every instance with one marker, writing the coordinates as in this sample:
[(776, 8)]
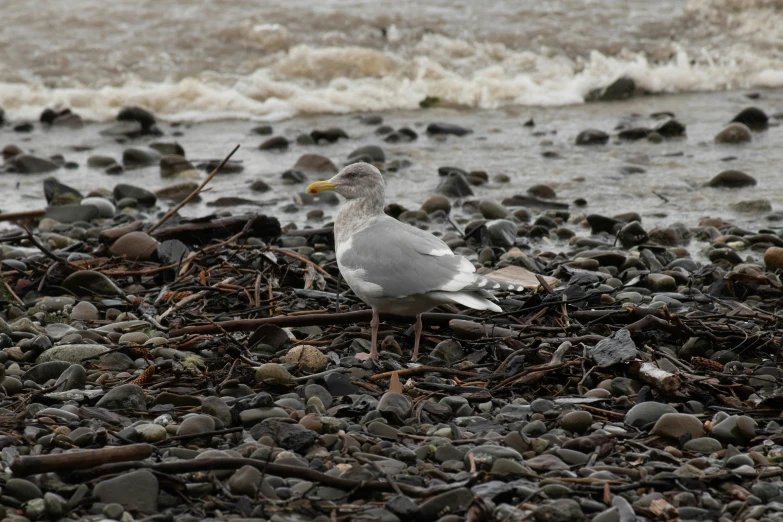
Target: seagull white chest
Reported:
[(356, 276)]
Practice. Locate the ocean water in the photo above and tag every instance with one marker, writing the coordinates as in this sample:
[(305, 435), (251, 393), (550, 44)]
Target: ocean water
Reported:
[(215, 59), (210, 70)]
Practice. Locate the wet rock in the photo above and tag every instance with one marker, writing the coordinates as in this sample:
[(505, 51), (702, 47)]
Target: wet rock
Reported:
[(40, 373), (294, 437), (262, 130), (84, 311), (137, 490), (137, 158), (752, 205), (732, 179), (620, 89), (675, 425), (669, 129), (599, 223), (542, 191), (72, 213), (455, 185), (501, 232), (175, 165), (616, 349), (446, 129), (246, 481), (72, 353), (735, 429), (105, 207), (367, 154), (577, 421), (449, 350), (135, 246), (151, 433), (703, 445), (276, 143), (633, 234), (273, 372), (29, 164), (178, 192), (124, 397), (196, 425), (330, 135), (491, 209), (339, 384), (486, 455), (752, 117), (435, 203), (561, 510), (292, 177), (315, 164), (74, 378), (592, 137), (144, 118), (734, 133), (646, 413), (773, 258), (260, 185), (144, 197), (166, 148), (634, 133), (454, 501), (57, 193), (395, 407), (21, 489), (661, 283)]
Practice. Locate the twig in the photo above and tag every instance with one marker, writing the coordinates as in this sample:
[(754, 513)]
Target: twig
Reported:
[(32, 465), (194, 193)]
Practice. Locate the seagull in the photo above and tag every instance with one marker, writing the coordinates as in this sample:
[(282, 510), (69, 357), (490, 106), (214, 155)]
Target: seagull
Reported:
[(393, 267)]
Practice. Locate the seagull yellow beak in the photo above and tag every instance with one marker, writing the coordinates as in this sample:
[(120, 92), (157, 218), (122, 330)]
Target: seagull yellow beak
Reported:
[(320, 186)]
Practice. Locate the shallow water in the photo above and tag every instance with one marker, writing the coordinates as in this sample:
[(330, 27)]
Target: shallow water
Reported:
[(669, 191)]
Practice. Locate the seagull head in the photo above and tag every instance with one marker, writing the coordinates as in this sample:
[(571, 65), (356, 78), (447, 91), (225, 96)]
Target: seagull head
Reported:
[(354, 181)]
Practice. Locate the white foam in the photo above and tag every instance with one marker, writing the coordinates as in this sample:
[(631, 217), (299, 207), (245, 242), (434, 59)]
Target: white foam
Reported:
[(308, 80)]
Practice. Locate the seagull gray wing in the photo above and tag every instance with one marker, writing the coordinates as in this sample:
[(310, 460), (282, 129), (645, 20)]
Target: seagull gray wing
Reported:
[(397, 260)]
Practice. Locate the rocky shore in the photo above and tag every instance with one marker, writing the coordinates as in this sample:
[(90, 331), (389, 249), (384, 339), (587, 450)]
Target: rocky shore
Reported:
[(156, 367)]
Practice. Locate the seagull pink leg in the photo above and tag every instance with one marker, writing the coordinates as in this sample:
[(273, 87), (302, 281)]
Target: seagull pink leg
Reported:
[(417, 329), (374, 327)]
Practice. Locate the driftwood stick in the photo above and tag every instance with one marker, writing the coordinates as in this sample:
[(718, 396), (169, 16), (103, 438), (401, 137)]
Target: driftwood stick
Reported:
[(280, 470), (32, 465), (319, 319), (654, 376), (407, 372), (194, 193), (24, 214)]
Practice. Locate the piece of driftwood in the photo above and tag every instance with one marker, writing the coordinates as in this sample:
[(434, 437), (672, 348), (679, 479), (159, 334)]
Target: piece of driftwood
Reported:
[(654, 376), (23, 466), (200, 233)]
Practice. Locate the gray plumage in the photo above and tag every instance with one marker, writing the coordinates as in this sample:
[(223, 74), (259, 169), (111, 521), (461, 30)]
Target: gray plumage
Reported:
[(394, 267)]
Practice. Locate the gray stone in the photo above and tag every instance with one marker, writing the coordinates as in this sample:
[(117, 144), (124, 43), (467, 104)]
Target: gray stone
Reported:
[(40, 373), (89, 282), (486, 455), (245, 481), (646, 413), (617, 349), (124, 397), (454, 501), (21, 489), (137, 490), (703, 445), (576, 421), (217, 407), (395, 407), (561, 510), (151, 433), (675, 425), (74, 378), (72, 353), (196, 425)]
